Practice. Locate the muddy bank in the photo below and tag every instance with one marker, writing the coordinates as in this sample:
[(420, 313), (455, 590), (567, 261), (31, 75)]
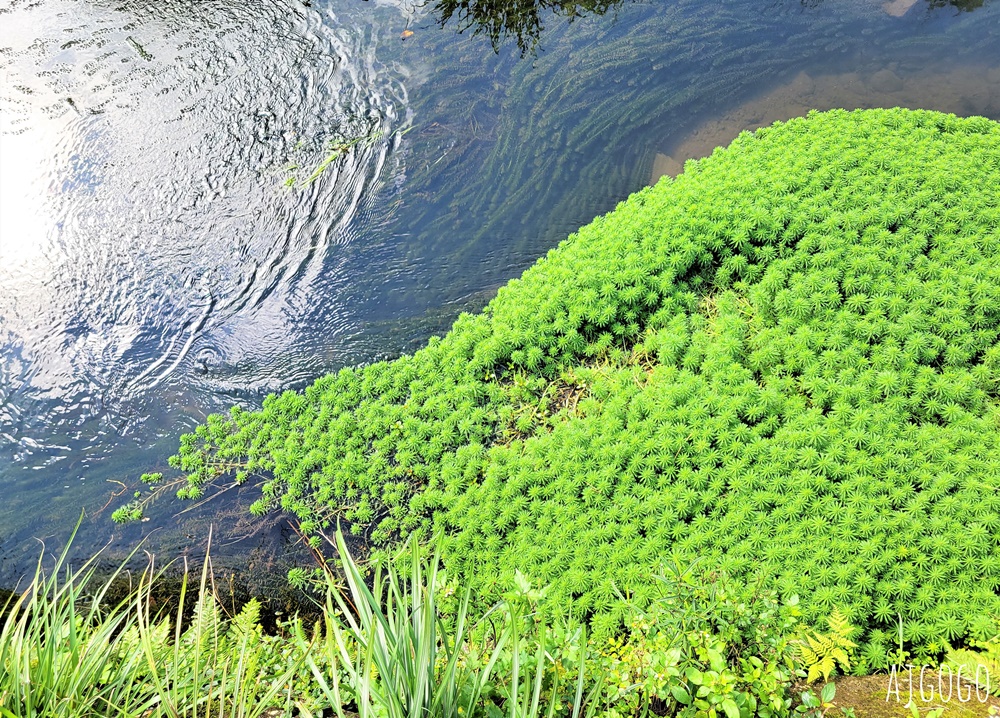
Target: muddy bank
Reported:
[(963, 91), (876, 697)]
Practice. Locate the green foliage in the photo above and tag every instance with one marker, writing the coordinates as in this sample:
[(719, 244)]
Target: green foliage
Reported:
[(550, 669), (134, 510), (392, 642), (707, 643), (213, 666), (822, 652), (980, 656), (784, 360), (401, 643), (55, 660), (813, 706), (706, 646), (406, 655), (128, 513), (66, 652)]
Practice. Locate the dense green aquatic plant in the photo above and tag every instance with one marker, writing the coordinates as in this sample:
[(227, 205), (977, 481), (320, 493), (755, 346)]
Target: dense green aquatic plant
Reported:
[(784, 360)]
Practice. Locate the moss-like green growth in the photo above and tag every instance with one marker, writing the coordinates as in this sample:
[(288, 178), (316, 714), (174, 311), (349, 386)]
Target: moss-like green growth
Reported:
[(785, 359)]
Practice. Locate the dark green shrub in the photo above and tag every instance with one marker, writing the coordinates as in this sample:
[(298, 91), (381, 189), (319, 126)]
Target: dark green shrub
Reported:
[(785, 360)]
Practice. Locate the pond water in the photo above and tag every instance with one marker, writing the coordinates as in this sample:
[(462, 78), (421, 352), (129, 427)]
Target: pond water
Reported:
[(205, 201)]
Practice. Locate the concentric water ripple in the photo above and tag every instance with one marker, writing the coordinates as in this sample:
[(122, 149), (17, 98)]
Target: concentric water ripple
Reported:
[(146, 150), (149, 244)]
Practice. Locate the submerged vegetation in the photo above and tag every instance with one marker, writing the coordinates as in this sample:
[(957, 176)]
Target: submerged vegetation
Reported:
[(785, 361)]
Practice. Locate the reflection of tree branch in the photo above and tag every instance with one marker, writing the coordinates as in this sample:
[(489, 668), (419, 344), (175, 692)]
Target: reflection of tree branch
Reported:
[(500, 20), (962, 5)]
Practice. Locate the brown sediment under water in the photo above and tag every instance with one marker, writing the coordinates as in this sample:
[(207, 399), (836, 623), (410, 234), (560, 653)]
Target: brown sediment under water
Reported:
[(967, 90), (898, 8)]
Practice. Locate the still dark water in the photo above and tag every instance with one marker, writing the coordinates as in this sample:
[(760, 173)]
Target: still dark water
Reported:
[(163, 254)]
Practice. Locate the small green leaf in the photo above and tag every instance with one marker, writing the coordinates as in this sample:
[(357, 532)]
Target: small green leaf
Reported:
[(680, 694), (716, 660)]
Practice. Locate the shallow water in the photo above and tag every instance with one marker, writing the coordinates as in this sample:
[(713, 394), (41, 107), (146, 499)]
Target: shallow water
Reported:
[(155, 264)]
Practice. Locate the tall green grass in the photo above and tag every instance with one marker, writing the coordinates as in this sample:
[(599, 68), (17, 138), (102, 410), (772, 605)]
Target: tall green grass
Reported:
[(57, 649), (396, 639), (405, 657), (398, 643), (66, 651)]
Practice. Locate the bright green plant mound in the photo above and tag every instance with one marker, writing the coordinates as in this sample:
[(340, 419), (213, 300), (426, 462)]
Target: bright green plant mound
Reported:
[(784, 360)]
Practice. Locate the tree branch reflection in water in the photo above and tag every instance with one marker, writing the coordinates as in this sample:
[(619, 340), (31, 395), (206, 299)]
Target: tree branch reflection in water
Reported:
[(523, 20), (963, 5)]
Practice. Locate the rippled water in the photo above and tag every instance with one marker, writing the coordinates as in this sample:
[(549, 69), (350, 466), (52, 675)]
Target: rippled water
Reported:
[(163, 254), (154, 264)]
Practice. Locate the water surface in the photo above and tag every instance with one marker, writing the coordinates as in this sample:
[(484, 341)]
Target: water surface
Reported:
[(164, 255)]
